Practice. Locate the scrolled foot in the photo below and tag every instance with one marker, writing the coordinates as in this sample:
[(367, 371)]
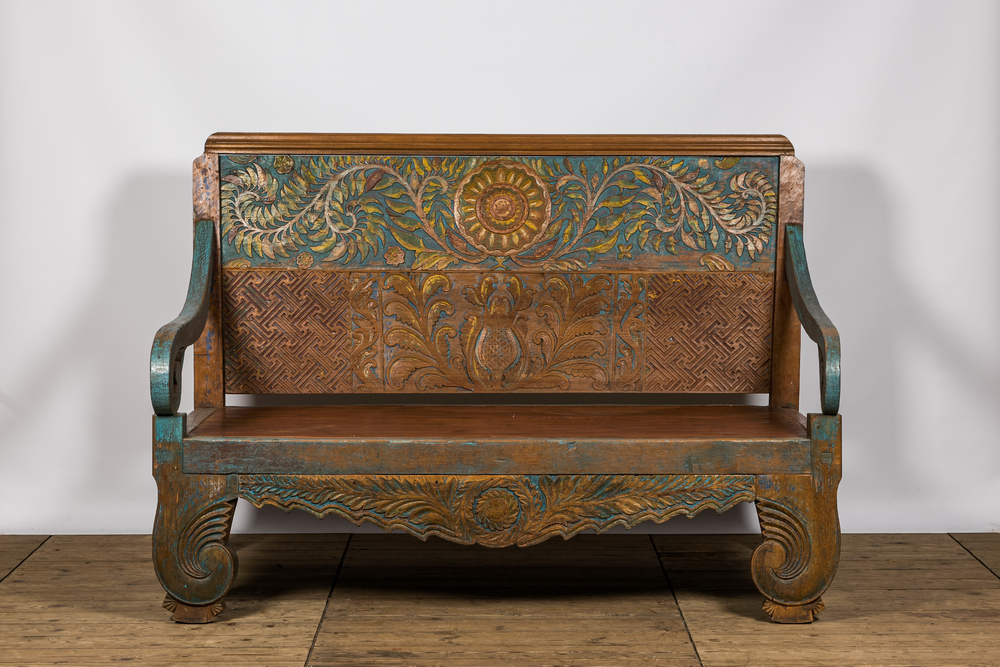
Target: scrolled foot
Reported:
[(185, 613), (191, 532), (783, 613)]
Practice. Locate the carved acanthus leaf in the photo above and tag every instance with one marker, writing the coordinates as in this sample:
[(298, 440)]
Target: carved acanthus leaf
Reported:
[(499, 510)]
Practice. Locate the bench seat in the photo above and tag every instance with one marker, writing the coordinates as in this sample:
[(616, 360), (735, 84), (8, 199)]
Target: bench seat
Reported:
[(498, 439), (497, 341)]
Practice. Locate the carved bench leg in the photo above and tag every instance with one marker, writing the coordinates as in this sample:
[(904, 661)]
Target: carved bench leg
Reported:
[(191, 532), (798, 518)]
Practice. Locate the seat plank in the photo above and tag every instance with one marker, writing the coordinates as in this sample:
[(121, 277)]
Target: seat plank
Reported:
[(499, 439)]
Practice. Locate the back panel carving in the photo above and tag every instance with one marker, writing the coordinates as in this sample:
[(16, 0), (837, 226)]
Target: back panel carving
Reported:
[(286, 332), (497, 332), (369, 273), (709, 332), (469, 213), (332, 332)]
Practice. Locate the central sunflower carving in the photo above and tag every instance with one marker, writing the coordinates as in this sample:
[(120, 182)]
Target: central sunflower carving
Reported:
[(497, 508), (502, 207)]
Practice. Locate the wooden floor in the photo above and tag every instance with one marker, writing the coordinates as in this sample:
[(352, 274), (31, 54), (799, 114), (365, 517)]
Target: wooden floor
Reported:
[(679, 600)]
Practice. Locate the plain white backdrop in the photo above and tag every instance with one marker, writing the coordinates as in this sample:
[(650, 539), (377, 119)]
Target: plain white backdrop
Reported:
[(893, 106)]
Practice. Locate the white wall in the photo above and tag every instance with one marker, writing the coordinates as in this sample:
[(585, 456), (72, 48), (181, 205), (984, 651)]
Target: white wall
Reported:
[(893, 107)]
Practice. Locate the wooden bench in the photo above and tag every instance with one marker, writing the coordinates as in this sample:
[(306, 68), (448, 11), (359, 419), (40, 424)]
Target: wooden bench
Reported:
[(518, 327)]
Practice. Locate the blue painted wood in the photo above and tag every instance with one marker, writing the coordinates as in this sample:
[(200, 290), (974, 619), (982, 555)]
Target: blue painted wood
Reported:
[(441, 456), (814, 320), (193, 519), (167, 356), (542, 213)]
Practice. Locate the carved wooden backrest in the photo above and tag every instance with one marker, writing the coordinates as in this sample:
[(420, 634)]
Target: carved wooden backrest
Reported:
[(495, 264)]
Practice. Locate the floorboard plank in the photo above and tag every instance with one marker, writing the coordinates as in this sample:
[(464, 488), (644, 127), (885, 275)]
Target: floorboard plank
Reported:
[(92, 600), (984, 546), (402, 602), (896, 600), (15, 548)]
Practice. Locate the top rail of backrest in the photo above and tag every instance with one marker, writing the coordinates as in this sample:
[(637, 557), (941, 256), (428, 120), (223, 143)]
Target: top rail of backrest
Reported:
[(494, 144), (413, 263)]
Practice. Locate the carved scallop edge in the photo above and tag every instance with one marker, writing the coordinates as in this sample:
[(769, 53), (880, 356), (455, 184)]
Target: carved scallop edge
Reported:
[(381, 502)]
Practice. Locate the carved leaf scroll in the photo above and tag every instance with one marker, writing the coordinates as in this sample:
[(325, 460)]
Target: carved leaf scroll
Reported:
[(539, 213), (499, 510), (497, 332), (205, 531)]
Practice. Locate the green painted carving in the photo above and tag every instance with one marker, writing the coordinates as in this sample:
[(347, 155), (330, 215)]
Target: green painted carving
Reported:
[(814, 320), (499, 510), (167, 356), (484, 213)]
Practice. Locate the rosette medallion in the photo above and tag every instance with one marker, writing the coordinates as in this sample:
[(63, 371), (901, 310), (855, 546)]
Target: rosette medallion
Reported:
[(502, 207)]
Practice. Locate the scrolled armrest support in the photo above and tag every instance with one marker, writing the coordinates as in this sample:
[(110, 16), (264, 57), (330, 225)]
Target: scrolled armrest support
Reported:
[(814, 320), (167, 357)]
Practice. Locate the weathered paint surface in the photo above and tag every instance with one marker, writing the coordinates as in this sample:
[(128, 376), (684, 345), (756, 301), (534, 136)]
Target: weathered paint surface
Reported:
[(489, 213), (483, 232), (193, 519), (373, 456), (798, 516), (814, 320), (499, 511), (167, 355)]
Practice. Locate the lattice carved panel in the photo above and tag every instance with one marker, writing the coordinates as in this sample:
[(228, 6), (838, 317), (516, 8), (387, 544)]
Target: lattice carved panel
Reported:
[(332, 332), (286, 332), (708, 332)]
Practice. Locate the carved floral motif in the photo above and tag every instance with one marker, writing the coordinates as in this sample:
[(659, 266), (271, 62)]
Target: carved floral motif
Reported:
[(499, 510), (545, 213), (497, 332), (501, 207)]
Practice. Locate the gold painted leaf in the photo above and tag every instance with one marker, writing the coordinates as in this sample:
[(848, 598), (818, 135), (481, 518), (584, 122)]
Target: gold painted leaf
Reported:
[(726, 162), (433, 260), (400, 206), (409, 240), (604, 245)]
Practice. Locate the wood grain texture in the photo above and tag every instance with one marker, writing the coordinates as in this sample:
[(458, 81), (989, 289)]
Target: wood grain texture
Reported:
[(898, 600), (589, 601), (94, 600), (478, 440), (485, 423), (15, 548), (492, 144), (208, 382), (985, 547), (787, 331)]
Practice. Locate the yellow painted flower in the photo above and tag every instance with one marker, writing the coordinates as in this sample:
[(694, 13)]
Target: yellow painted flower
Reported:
[(502, 207)]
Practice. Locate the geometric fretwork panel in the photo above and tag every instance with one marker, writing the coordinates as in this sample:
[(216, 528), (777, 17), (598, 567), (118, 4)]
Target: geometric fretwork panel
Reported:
[(286, 332), (709, 332)]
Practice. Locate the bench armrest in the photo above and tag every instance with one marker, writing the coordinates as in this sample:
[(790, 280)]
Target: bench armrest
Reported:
[(167, 357), (814, 320)]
